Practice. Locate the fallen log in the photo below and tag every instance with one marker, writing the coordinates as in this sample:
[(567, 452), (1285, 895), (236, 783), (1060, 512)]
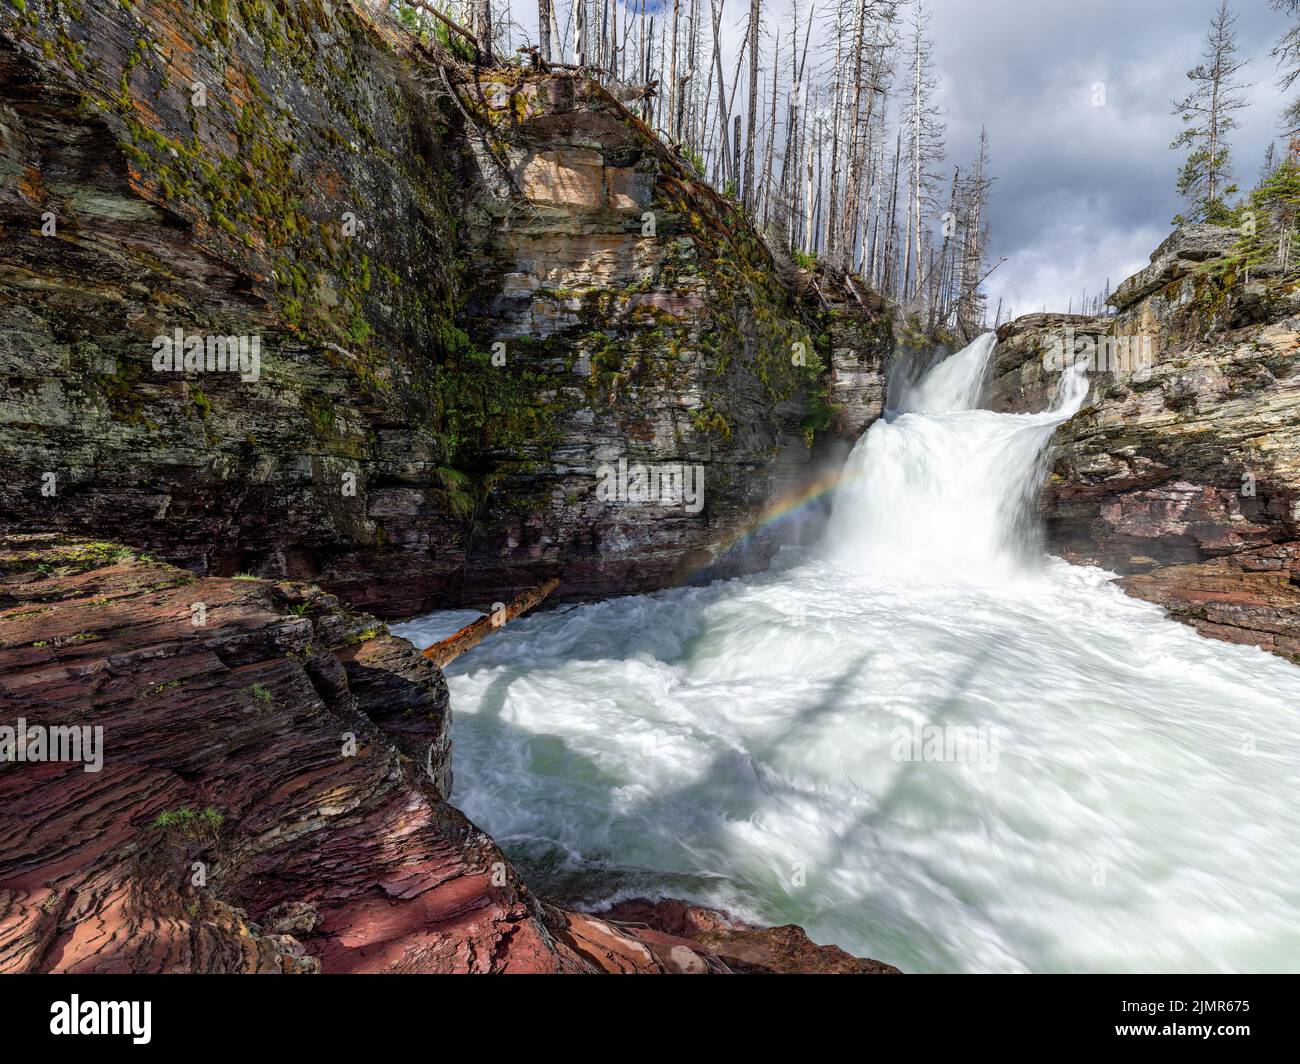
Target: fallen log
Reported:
[(447, 650)]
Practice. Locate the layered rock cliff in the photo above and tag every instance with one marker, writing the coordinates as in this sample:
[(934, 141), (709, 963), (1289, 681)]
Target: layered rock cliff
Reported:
[(467, 290), (261, 787), (291, 294), (1182, 471)]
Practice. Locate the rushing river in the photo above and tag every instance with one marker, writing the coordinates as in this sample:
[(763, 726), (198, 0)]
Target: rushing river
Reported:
[(921, 739)]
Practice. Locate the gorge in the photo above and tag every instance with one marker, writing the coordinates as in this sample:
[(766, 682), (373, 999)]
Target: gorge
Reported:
[(936, 644)]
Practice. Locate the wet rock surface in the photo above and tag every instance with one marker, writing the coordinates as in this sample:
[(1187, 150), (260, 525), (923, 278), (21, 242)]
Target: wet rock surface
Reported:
[(379, 219), (313, 184), (1251, 598), (742, 947)]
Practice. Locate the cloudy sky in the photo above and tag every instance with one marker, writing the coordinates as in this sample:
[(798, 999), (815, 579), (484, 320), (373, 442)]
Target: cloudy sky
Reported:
[(1086, 193), (1083, 193)]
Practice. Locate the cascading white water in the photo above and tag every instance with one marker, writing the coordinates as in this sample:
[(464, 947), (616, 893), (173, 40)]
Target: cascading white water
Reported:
[(955, 383), (1129, 802), (937, 485)]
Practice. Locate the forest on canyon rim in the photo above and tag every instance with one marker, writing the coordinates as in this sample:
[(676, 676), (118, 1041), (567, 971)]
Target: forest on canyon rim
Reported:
[(824, 122)]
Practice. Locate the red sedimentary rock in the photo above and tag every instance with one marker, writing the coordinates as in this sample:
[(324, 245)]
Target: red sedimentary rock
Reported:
[(271, 795)]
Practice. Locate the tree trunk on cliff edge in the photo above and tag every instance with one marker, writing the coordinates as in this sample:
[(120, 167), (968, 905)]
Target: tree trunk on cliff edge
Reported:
[(747, 195), (483, 30)]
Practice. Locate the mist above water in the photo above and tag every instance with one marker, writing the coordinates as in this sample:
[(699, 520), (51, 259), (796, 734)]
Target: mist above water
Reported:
[(937, 485)]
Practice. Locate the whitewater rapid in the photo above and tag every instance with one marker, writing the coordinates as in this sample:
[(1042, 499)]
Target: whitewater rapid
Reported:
[(1106, 790)]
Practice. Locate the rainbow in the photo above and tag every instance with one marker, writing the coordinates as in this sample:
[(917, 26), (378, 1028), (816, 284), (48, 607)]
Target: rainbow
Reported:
[(776, 511)]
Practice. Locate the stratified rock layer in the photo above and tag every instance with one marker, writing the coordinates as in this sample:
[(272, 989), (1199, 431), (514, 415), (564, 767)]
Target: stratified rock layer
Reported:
[(379, 219), (742, 947), (265, 712), (271, 796), (1184, 465)]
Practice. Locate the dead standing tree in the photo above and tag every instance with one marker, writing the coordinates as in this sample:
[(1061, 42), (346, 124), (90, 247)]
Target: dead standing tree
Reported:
[(802, 147)]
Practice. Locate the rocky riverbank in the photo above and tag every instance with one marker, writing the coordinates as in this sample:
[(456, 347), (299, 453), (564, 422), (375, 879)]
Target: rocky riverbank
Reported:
[(453, 296), (423, 304), (270, 794)]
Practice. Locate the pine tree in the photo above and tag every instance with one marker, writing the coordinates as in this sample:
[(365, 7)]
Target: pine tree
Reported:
[(1207, 114), (1270, 238), (1270, 162)]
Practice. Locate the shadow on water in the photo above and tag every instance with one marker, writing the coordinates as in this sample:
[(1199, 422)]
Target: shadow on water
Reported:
[(687, 843)]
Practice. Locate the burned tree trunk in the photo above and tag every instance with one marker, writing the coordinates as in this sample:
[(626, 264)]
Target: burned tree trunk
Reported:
[(544, 29)]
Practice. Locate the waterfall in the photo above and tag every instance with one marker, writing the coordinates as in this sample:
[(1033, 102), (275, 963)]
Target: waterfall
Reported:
[(955, 383), (939, 486), (923, 740)]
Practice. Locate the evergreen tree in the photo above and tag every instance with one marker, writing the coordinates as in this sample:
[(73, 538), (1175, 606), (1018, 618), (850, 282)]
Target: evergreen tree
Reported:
[(1208, 117), (1270, 162), (1270, 225)]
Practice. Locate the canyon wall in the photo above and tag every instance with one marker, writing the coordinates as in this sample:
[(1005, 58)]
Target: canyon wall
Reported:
[(429, 304), (468, 292), (1182, 471)]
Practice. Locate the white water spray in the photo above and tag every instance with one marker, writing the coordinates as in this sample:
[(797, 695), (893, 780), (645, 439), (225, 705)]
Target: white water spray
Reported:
[(937, 486), (739, 745)]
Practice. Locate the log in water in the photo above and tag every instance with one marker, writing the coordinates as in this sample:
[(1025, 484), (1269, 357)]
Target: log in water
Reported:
[(445, 651)]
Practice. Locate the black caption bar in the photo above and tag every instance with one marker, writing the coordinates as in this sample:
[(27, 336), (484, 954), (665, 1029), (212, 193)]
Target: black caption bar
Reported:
[(170, 1013)]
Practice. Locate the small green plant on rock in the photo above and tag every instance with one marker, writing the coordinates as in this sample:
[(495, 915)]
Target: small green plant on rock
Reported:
[(189, 824), (201, 402)]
